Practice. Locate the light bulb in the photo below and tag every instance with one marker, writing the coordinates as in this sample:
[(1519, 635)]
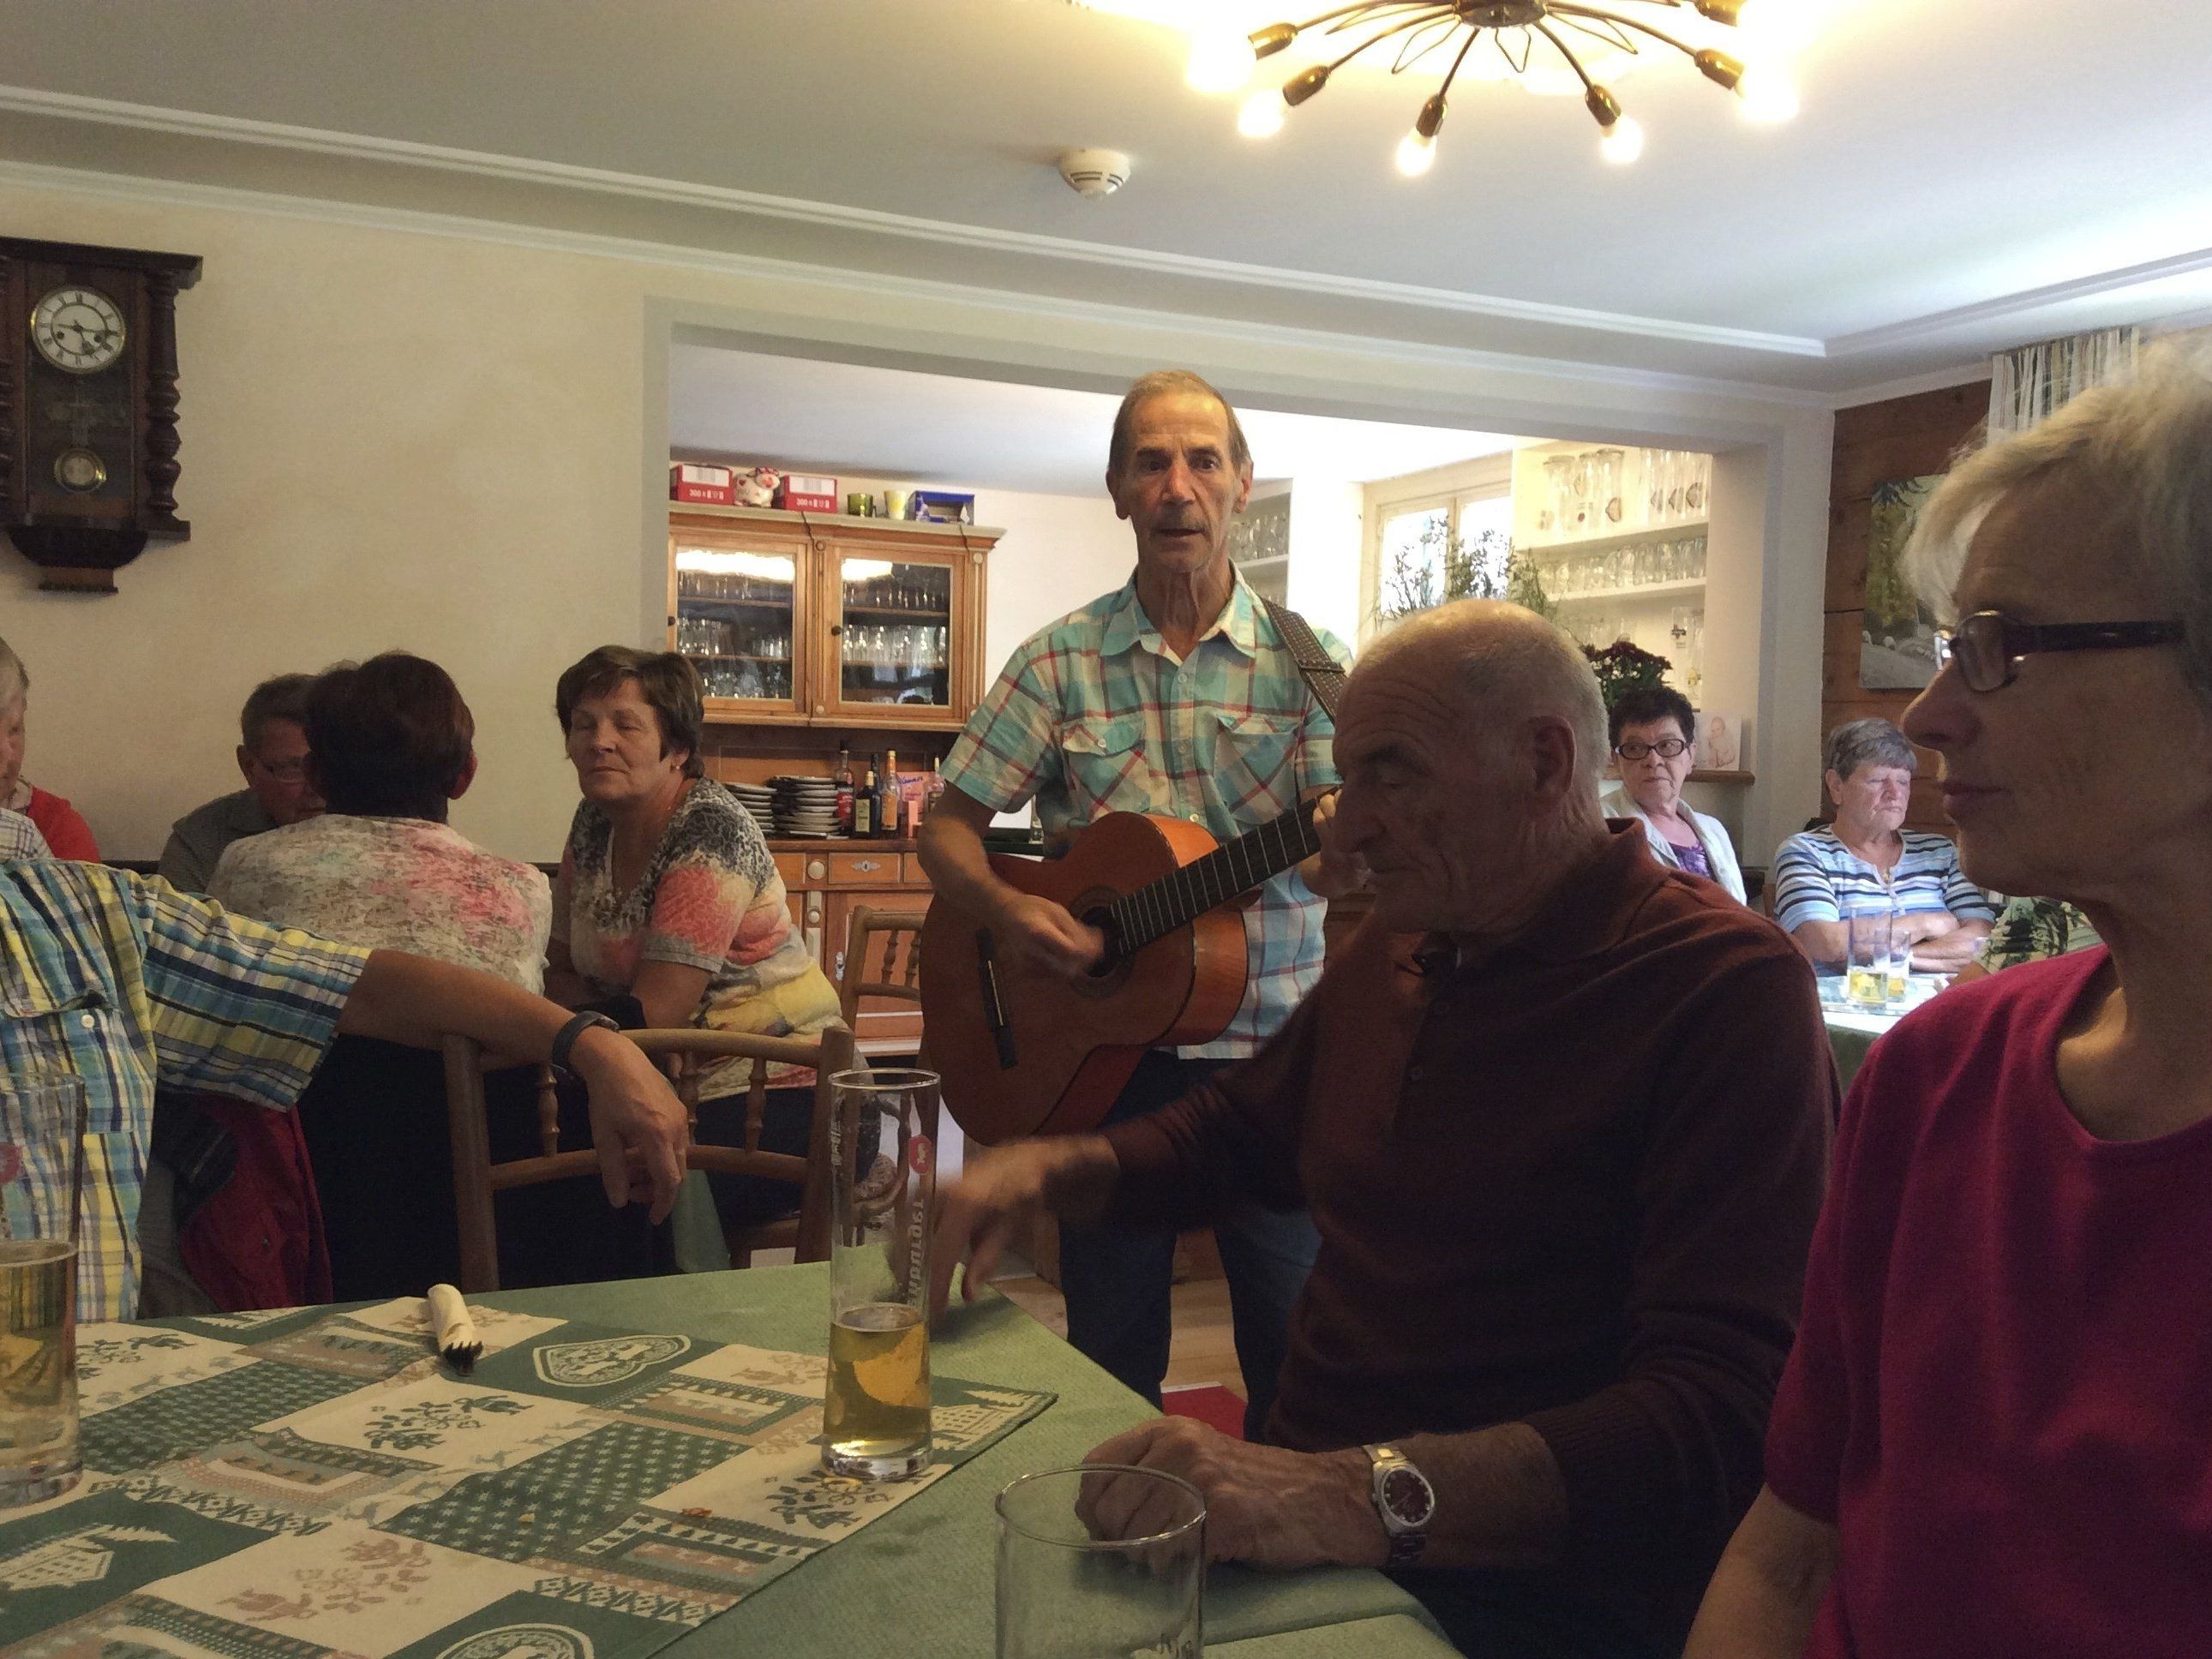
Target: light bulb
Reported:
[(1767, 92), (1261, 115), (1623, 142), (1417, 154), (1221, 59)]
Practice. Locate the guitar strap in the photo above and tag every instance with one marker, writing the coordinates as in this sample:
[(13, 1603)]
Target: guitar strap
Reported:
[(1322, 676)]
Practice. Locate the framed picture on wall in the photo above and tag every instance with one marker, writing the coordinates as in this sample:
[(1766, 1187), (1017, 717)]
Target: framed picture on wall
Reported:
[(1897, 647)]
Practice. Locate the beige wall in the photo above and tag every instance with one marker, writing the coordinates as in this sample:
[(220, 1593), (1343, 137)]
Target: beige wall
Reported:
[(403, 431)]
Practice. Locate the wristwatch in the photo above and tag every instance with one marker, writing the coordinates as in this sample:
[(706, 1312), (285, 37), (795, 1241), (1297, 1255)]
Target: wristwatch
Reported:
[(564, 1040), (1404, 1501)]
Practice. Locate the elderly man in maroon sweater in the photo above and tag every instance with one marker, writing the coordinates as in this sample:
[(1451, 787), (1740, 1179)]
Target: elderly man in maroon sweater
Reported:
[(1561, 1114)]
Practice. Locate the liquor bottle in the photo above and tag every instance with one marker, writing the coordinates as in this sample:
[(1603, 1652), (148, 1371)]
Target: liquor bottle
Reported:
[(932, 791), (843, 779), (887, 803), (864, 807)]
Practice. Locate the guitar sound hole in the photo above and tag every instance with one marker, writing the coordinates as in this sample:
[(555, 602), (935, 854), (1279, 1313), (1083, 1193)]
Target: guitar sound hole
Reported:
[(1111, 962)]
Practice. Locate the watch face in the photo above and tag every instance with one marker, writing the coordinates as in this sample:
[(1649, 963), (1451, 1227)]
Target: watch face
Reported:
[(1406, 1494), (78, 330), (79, 470)]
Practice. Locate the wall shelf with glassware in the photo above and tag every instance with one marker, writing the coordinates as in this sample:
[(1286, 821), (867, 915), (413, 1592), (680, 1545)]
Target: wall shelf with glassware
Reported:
[(1686, 588), (1689, 529), (807, 619)]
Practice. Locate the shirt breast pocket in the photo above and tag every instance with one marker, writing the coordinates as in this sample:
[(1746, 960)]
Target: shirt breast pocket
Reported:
[(1256, 764), (45, 1041), (1106, 768)]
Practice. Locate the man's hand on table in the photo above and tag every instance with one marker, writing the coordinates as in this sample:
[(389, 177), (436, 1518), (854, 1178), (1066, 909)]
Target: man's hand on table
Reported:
[(638, 1127), (1265, 1506), (1004, 1188)]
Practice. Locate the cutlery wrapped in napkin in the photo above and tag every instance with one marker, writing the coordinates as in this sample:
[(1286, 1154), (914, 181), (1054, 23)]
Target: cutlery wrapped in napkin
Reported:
[(459, 1345)]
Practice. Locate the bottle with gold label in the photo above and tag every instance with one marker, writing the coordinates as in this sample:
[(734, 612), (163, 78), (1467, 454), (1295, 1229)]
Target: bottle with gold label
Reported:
[(864, 807), (887, 802)]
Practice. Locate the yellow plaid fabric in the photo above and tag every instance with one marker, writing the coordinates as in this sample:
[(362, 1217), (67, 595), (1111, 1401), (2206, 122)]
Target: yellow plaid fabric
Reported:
[(123, 982)]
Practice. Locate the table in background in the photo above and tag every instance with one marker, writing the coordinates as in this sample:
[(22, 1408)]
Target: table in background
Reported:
[(1850, 1034), (924, 1573)]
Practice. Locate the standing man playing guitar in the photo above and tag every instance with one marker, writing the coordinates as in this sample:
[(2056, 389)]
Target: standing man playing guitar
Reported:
[(1176, 695)]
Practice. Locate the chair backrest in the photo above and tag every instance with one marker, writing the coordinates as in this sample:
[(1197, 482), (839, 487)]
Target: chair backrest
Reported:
[(887, 943), (477, 1178)]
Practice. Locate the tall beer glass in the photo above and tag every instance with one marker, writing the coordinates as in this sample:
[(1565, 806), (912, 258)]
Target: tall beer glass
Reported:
[(42, 1124), (875, 1419)]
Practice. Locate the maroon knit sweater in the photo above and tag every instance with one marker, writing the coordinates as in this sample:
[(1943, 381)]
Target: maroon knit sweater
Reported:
[(1571, 1183)]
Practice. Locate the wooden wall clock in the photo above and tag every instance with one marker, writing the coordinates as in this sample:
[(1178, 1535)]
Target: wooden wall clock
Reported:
[(88, 405)]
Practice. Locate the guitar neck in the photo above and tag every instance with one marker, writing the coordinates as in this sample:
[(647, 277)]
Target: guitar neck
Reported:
[(1235, 867)]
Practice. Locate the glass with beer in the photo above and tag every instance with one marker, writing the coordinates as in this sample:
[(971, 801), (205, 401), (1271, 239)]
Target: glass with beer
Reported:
[(42, 1127), (875, 1417), (1868, 942)]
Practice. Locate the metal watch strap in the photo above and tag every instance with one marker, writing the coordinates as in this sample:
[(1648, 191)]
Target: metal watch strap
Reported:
[(565, 1040)]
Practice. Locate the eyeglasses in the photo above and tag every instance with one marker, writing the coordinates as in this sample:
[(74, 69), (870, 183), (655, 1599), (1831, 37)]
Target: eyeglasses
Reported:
[(1666, 749), (1988, 646), (284, 771)]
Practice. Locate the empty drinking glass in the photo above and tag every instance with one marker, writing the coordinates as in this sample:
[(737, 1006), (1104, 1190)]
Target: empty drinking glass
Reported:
[(1065, 1594)]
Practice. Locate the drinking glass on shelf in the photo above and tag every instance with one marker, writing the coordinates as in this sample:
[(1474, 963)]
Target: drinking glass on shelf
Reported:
[(1609, 483), (1698, 558), (1063, 1594), (1696, 494)]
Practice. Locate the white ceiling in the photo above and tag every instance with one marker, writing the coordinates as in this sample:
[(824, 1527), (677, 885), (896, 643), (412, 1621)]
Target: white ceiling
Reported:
[(849, 420), (1966, 174)]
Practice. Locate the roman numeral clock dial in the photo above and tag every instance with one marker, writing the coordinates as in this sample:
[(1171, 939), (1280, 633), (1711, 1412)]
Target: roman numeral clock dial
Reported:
[(88, 400)]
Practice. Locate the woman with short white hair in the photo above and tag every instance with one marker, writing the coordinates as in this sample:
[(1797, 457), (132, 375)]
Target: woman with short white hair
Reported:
[(1991, 1436), (66, 833)]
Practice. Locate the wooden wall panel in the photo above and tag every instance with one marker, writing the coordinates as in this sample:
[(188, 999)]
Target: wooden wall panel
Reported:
[(1901, 438)]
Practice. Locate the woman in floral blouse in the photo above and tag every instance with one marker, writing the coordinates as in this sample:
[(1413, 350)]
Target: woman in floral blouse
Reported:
[(668, 910)]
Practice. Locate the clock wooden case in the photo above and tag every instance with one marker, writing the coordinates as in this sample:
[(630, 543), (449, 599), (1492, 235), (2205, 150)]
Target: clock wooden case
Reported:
[(88, 439)]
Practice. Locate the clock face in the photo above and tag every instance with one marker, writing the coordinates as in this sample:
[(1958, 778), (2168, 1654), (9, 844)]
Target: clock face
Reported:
[(78, 330)]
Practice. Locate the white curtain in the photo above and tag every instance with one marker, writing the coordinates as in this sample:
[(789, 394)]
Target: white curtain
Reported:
[(2029, 383)]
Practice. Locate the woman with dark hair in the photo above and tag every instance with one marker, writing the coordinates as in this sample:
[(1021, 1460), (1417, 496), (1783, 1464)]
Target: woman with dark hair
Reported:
[(668, 911), (1653, 734), (390, 747)]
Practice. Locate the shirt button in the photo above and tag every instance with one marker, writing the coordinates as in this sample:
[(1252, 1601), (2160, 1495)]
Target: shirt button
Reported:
[(1415, 1073), (87, 1021)]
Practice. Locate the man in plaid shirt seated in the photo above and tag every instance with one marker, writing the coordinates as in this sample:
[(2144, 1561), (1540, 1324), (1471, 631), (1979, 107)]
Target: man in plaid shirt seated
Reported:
[(122, 982), (1174, 694)]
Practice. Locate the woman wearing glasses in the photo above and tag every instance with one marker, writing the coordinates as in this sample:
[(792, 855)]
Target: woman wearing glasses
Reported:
[(1866, 861), (1653, 733), (1991, 1436)]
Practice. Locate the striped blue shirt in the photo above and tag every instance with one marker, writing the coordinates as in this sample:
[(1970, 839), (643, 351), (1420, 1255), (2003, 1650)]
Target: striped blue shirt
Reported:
[(1817, 878), (121, 982)]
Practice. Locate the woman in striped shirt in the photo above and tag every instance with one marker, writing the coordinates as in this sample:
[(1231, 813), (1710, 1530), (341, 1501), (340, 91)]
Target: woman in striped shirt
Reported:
[(1866, 861)]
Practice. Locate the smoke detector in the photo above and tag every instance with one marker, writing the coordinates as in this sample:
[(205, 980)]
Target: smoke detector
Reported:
[(1095, 172)]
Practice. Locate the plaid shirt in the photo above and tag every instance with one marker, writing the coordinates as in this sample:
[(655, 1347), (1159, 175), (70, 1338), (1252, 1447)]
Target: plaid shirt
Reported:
[(19, 838), (1094, 715), (125, 982)]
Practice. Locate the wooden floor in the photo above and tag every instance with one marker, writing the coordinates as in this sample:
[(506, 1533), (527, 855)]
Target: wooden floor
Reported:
[(1204, 1348)]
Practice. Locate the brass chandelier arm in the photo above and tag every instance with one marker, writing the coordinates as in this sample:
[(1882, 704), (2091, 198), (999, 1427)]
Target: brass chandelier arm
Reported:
[(1398, 28), (1567, 9), (1566, 52), (1473, 35)]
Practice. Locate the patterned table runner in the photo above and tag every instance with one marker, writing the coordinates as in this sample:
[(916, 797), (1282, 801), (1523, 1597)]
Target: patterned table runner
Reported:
[(310, 1483)]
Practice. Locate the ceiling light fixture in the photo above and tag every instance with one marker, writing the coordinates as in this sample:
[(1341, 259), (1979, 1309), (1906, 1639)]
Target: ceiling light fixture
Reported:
[(1222, 59)]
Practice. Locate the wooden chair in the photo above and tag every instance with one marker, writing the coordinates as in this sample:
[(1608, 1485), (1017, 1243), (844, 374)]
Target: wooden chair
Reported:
[(477, 1178), (892, 940)]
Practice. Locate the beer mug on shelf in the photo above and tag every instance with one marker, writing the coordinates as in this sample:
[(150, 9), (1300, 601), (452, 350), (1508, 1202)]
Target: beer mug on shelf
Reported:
[(882, 1159)]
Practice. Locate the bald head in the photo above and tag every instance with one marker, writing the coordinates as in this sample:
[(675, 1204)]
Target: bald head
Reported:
[(1470, 741), (1505, 667)]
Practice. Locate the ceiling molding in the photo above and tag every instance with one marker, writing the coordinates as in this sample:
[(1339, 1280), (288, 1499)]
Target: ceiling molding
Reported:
[(172, 192), (2028, 300), (1911, 385), (29, 101)]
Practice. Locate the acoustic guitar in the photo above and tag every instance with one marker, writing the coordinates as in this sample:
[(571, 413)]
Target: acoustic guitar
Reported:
[(1026, 1052)]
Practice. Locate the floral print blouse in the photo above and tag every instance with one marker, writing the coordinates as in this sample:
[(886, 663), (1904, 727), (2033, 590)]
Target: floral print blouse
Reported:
[(710, 898)]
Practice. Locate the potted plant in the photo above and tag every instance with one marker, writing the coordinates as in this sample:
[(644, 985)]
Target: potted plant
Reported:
[(1625, 666)]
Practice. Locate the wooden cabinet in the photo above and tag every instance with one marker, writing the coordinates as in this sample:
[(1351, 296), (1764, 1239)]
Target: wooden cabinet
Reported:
[(826, 883), (815, 620)]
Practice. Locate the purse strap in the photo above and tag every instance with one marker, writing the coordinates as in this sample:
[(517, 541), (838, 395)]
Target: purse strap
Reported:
[(1324, 677)]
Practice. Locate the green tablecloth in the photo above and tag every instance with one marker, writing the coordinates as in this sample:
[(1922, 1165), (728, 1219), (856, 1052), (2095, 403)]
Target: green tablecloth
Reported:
[(919, 1581), (1849, 1036)]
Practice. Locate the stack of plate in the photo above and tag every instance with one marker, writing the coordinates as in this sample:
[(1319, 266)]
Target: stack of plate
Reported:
[(758, 799), (806, 807)]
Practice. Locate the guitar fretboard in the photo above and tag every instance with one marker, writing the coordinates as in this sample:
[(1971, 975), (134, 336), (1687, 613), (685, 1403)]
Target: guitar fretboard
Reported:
[(1173, 902)]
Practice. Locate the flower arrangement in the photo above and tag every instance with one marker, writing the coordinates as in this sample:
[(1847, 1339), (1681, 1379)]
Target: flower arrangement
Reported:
[(1625, 666)]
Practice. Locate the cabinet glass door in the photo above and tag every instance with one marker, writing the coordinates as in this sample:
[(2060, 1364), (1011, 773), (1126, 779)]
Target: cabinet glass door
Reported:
[(737, 618), (895, 648)]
